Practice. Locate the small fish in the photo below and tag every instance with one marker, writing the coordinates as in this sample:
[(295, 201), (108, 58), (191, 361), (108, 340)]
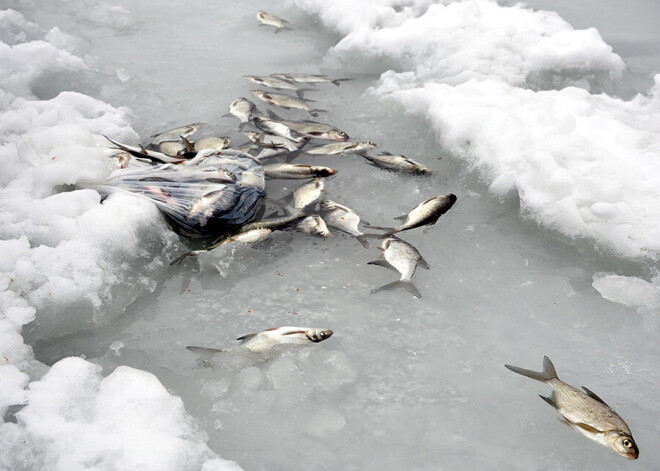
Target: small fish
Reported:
[(266, 340), (213, 143), (397, 163), (314, 225), (345, 219), (143, 154), (271, 20), (275, 127), (274, 223), (278, 84), (273, 141), (311, 129), (424, 214), (175, 134), (296, 171), (243, 109), (248, 237), (307, 193), (584, 411), (123, 158), (310, 78), (402, 257), (285, 101), (341, 147)]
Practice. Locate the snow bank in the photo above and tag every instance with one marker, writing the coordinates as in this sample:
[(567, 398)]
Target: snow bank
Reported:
[(67, 263), (494, 83)]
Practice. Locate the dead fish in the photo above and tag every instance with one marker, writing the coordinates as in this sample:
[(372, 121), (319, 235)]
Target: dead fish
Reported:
[(286, 101), (310, 78), (402, 257), (274, 223), (314, 225), (307, 193), (278, 84), (172, 148), (175, 134), (584, 411), (341, 147), (396, 162), (275, 127), (123, 158), (345, 219), (296, 171), (243, 109), (268, 339), (266, 19), (310, 129), (272, 141), (426, 213), (213, 143), (248, 237)]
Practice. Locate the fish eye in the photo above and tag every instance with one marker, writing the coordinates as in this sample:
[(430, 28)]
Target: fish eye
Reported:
[(627, 443)]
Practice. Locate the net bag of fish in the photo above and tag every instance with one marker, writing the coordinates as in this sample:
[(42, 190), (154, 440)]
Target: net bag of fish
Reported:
[(205, 197)]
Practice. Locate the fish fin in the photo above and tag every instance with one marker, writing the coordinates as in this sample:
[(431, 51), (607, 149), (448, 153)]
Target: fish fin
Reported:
[(592, 395), (204, 350), (188, 145), (181, 258), (301, 91), (382, 263), (293, 332), (338, 82), (226, 115), (143, 150), (386, 153), (401, 218), (546, 375), (423, 263), (407, 285), (363, 240), (380, 228), (585, 427), (245, 338), (272, 115), (550, 400)]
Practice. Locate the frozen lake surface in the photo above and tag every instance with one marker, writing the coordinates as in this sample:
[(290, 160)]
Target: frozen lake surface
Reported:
[(551, 248)]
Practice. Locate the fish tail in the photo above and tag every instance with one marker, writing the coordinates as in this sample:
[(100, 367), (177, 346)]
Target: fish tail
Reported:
[(204, 350), (180, 258), (380, 228), (546, 375), (301, 92), (407, 285), (363, 240)]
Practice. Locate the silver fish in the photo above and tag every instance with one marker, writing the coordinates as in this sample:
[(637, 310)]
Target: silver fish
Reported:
[(310, 129), (307, 193), (584, 411), (396, 162), (426, 213), (243, 109), (272, 141), (310, 78), (402, 257), (248, 237), (278, 84), (213, 143), (271, 20), (314, 225), (296, 171), (143, 154), (175, 134), (343, 218), (172, 148), (341, 147), (276, 127), (285, 101), (266, 340)]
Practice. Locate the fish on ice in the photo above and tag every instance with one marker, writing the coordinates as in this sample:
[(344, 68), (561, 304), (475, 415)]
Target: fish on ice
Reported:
[(341, 147), (273, 141), (175, 134), (269, 339), (311, 129), (314, 225), (424, 214), (248, 237), (584, 411), (396, 163), (345, 219), (402, 257), (309, 78), (307, 193), (296, 171), (243, 109), (266, 19), (286, 101), (277, 84)]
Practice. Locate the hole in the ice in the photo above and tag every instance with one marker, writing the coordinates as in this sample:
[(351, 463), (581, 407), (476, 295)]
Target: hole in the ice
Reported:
[(52, 83)]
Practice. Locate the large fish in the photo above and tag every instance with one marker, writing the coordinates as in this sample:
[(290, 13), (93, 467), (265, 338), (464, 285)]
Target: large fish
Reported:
[(424, 214), (310, 78), (584, 411), (402, 257), (307, 193), (268, 339)]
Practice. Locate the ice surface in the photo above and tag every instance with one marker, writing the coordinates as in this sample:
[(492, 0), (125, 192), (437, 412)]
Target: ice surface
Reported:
[(531, 120)]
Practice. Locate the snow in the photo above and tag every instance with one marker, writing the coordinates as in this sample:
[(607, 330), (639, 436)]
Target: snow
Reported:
[(547, 134)]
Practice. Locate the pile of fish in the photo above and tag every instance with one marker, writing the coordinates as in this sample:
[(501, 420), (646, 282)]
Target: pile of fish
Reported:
[(210, 190)]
